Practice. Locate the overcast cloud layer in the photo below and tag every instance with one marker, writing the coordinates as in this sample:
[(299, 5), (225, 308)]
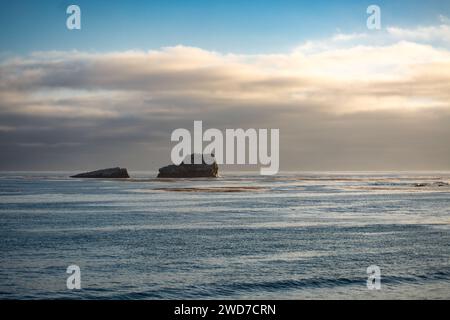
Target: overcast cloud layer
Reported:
[(351, 102)]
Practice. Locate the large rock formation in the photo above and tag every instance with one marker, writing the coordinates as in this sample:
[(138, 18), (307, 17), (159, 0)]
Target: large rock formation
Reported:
[(104, 173), (191, 170)]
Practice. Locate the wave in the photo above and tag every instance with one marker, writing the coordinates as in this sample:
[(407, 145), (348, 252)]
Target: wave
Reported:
[(213, 189)]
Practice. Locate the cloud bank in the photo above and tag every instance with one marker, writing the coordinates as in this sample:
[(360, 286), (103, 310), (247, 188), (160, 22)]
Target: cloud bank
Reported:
[(340, 103)]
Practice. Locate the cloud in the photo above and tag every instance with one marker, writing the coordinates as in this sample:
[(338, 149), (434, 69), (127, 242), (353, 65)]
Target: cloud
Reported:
[(439, 33), (387, 100), (348, 36)]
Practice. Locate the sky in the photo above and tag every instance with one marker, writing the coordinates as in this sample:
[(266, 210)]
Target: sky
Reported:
[(344, 97)]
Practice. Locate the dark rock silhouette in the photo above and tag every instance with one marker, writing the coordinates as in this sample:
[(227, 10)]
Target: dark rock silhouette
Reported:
[(191, 170), (110, 173), (433, 184)]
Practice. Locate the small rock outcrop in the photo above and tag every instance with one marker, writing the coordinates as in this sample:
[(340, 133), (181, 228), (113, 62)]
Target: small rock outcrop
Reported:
[(192, 170), (111, 173), (433, 184)]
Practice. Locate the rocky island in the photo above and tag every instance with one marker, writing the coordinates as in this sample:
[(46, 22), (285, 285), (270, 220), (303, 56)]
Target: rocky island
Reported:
[(191, 170), (110, 173)]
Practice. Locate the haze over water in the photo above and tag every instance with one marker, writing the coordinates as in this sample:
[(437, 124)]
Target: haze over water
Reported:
[(295, 235)]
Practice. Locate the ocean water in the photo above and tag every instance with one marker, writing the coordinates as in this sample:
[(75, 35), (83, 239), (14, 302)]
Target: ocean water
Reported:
[(293, 236)]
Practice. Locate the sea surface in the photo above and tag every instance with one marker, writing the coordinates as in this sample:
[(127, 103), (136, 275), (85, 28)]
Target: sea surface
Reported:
[(291, 236)]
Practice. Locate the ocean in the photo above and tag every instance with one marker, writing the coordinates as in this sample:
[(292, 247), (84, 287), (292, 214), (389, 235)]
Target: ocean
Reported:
[(297, 235)]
